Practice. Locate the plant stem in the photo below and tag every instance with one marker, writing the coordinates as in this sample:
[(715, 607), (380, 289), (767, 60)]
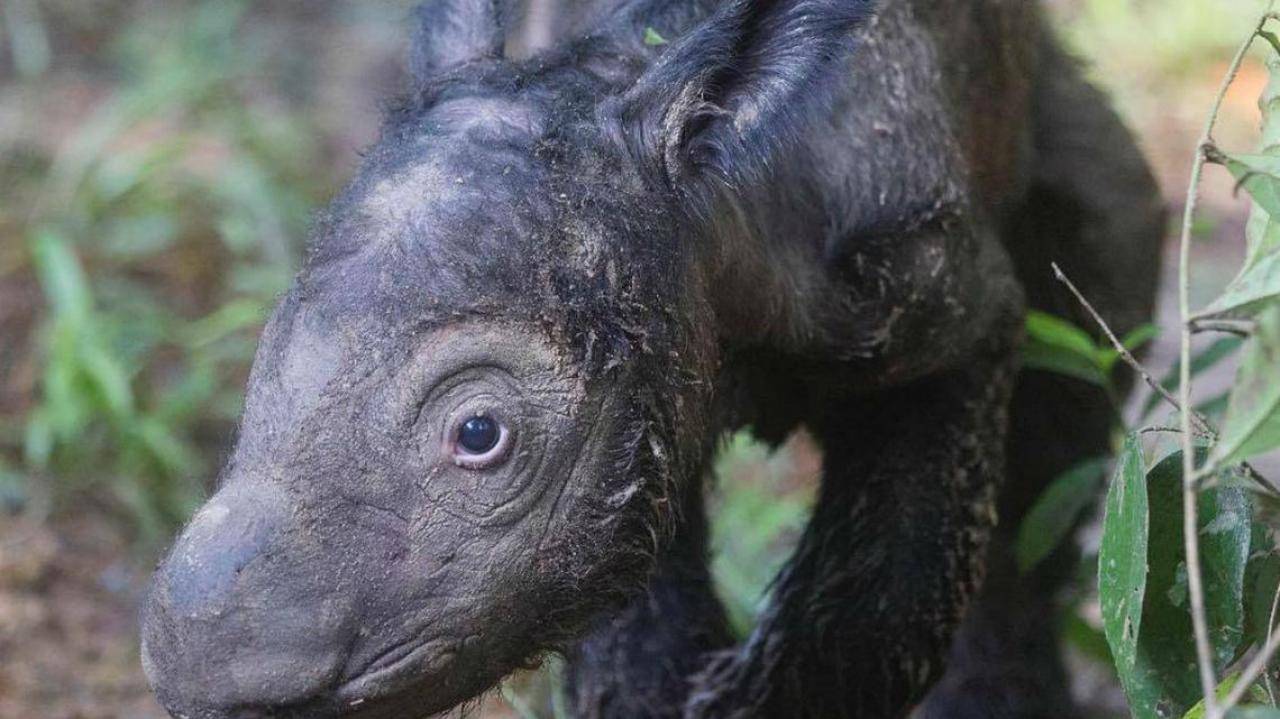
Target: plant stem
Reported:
[(1167, 430), (1239, 328), (1126, 355), (1259, 666), (1266, 675), (1256, 667), (1206, 431), (1190, 504)]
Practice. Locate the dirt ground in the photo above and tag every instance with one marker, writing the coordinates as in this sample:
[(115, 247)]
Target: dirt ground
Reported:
[(68, 631), (69, 600)]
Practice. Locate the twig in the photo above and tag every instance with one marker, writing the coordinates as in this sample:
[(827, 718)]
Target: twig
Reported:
[(1159, 429), (1271, 627), (1126, 355), (1206, 430), (1190, 504), (1255, 668), (1239, 328)]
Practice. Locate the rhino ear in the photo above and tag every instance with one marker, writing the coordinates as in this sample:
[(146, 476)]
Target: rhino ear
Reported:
[(450, 33), (729, 96)]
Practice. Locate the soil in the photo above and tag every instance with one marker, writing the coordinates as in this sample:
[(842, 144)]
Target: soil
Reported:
[(70, 592), (68, 630)]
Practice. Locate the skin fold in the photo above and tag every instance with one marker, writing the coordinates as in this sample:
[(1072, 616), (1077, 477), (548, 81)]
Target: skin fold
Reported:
[(478, 424)]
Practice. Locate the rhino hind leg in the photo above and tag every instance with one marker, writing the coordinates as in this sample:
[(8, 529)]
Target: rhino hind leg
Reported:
[(1093, 208)]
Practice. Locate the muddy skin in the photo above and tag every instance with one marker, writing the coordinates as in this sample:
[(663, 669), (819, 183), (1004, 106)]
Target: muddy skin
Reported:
[(478, 424)]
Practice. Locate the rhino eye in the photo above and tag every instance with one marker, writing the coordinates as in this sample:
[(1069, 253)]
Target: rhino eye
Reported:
[(480, 442), (479, 435)]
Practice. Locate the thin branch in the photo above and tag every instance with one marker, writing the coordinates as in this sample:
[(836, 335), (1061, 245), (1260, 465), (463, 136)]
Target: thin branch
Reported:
[(1239, 328), (1159, 429), (1190, 504), (1126, 355), (1206, 429), (1255, 668), (1271, 627)]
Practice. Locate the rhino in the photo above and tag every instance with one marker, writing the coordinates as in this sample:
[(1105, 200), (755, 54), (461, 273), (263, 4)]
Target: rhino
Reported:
[(478, 426)]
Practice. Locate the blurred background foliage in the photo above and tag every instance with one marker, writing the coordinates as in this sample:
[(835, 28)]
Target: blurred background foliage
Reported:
[(146, 233), (159, 161), (159, 164)]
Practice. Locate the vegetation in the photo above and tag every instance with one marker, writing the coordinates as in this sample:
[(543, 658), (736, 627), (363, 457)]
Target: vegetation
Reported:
[(1188, 568), (158, 234)]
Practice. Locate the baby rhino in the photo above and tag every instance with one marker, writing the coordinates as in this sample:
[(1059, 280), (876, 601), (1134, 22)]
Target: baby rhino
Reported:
[(478, 424)]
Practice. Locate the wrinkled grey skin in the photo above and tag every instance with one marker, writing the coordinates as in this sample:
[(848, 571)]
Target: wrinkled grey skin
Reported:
[(794, 213)]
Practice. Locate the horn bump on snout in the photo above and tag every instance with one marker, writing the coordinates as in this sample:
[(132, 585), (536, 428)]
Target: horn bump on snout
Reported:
[(228, 621)]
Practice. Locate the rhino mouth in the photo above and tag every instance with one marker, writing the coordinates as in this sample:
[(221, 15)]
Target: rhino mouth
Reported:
[(397, 671)]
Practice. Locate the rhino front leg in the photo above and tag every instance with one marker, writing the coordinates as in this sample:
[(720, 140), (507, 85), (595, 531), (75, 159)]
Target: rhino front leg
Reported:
[(637, 664), (863, 616)]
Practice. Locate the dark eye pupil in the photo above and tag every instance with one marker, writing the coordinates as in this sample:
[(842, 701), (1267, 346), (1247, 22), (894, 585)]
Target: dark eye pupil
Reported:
[(478, 435)]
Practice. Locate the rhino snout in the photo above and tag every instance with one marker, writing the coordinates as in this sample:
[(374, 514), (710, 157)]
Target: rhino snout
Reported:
[(232, 624)]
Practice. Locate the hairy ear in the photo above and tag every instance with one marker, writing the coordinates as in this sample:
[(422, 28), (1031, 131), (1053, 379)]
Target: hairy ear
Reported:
[(733, 92), (450, 33)]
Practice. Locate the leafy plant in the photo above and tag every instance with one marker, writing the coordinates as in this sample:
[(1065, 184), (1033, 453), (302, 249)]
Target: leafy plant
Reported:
[(1055, 345), (161, 231), (1188, 570), (755, 523), (1055, 513)]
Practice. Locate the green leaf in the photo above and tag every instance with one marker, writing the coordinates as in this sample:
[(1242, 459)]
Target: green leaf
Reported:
[(1259, 175), (1224, 688), (1051, 330), (1226, 529), (1132, 341), (652, 38), (1163, 680), (38, 442), (109, 380), (1263, 581), (1256, 174), (1049, 359), (157, 445), (1088, 639), (1122, 558), (228, 319), (1254, 712), (1202, 361), (1141, 335), (1253, 290), (1252, 423), (755, 522), (1055, 512), (1258, 282), (1262, 575), (517, 702), (1214, 407), (1055, 345), (61, 276), (1263, 234)]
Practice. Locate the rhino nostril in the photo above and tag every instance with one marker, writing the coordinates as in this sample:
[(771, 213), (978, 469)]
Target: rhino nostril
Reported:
[(222, 540)]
